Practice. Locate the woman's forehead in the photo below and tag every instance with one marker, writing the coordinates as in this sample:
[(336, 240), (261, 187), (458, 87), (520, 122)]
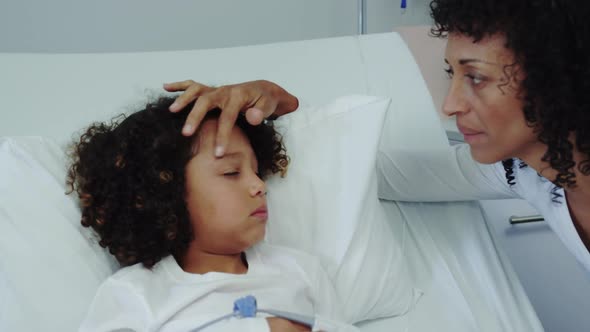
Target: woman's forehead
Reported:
[(490, 49)]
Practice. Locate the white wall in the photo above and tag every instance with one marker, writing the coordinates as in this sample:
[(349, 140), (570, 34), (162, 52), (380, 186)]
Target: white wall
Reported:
[(149, 25), (382, 15)]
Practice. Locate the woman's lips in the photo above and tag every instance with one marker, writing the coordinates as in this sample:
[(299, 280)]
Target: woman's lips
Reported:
[(470, 135), (472, 138)]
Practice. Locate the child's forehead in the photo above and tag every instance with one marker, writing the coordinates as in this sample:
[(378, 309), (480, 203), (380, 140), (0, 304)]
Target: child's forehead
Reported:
[(206, 134), (205, 140)]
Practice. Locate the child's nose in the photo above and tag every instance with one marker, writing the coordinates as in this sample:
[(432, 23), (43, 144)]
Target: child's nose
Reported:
[(258, 187)]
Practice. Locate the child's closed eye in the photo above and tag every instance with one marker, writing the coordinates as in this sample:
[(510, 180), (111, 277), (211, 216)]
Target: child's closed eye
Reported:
[(449, 72), (231, 174)]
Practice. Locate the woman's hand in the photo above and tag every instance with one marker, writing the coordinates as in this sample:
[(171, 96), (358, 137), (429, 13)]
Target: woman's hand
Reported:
[(258, 99), (282, 325)]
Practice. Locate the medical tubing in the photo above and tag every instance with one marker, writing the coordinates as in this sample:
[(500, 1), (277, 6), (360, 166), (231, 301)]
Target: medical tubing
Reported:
[(246, 307)]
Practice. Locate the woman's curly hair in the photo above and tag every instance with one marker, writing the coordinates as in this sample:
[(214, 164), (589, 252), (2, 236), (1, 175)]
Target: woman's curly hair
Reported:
[(130, 176), (551, 43)]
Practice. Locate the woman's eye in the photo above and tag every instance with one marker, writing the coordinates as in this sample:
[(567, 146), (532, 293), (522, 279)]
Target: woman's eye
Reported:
[(475, 80), (231, 174)]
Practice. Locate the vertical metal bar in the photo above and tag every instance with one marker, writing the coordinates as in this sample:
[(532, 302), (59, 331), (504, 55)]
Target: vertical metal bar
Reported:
[(362, 17)]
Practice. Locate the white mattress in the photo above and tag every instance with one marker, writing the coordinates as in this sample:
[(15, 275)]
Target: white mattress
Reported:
[(468, 284)]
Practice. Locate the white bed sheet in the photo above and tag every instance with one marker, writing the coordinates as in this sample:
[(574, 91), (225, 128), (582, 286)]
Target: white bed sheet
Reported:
[(468, 284)]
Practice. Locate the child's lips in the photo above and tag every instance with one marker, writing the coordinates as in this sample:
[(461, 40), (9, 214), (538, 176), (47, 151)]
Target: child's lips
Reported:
[(260, 213)]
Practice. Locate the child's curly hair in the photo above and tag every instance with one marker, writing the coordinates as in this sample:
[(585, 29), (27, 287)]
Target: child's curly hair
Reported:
[(130, 177)]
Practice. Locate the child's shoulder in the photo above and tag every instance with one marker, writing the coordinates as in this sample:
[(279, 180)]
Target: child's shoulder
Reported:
[(130, 272), (137, 275)]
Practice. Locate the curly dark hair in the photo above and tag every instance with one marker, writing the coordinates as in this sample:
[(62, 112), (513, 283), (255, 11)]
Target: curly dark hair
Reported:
[(130, 176), (551, 43)]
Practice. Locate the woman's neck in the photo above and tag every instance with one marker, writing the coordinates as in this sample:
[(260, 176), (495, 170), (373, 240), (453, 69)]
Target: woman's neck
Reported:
[(577, 197), (578, 201), (200, 262), (533, 157)]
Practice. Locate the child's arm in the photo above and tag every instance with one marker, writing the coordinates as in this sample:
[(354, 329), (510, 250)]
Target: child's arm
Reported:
[(282, 325)]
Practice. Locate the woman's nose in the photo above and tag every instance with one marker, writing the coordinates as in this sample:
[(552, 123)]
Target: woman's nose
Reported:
[(455, 100)]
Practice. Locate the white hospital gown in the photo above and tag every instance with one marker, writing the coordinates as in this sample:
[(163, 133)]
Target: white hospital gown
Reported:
[(453, 175), (169, 299)]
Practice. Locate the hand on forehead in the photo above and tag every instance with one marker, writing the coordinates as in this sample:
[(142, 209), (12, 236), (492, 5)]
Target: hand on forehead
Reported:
[(206, 139)]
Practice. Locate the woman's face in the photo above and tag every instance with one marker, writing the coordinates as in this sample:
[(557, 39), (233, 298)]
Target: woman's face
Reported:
[(485, 96), (226, 198)]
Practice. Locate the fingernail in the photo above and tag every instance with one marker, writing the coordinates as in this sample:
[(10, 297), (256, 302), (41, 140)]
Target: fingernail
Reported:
[(174, 106), (219, 151), (187, 129)]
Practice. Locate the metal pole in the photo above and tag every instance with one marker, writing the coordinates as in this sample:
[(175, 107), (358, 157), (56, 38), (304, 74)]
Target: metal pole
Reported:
[(362, 17)]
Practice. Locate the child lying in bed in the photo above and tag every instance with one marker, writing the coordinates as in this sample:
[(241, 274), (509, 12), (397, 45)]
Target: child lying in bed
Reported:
[(189, 229)]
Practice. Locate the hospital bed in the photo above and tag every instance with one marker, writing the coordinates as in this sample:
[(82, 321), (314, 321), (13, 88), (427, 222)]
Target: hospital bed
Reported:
[(468, 283)]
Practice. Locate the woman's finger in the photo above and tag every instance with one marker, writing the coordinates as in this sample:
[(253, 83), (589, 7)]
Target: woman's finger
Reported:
[(226, 122), (193, 92), (178, 86), (265, 105), (254, 116), (193, 120)]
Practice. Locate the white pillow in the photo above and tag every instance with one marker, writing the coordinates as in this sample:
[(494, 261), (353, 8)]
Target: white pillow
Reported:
[(327, 205), (50, 266)]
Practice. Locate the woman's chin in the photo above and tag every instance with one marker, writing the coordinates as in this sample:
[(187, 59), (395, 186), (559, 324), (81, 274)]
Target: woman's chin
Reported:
[(484, 156)]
